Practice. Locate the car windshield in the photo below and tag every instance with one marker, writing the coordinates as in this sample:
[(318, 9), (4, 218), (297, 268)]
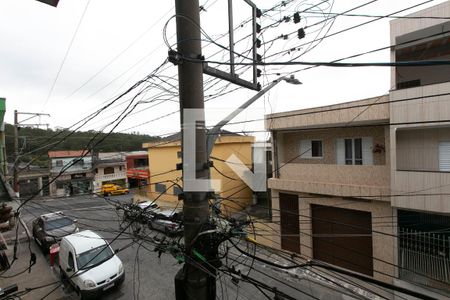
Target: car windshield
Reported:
[(94, 256), (57, 223)]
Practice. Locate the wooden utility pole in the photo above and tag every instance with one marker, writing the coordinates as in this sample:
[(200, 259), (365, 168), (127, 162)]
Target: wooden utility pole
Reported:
[(192, 282)]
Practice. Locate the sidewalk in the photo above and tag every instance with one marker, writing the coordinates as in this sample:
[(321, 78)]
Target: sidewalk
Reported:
[(41, 273)]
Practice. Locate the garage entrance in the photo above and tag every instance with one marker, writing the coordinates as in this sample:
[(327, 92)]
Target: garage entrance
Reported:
[(343, 237), (289, 219)]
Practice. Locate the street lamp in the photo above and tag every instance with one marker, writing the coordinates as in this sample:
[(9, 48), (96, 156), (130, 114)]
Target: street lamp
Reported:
[(53, 3), (214, 132)]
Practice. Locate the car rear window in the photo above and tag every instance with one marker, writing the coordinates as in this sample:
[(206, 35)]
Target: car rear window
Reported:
[(57, 223)]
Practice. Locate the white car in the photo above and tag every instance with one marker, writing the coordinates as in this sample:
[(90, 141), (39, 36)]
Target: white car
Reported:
[(88, 262)]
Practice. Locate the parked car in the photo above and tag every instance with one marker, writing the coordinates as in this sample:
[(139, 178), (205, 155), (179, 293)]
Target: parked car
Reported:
[(89, 264), (48, 229), (138, 214), (167, 221), (113, 189), (138, 211)]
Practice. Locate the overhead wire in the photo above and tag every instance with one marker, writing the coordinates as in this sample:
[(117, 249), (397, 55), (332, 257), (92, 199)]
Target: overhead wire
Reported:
[(66, 54)]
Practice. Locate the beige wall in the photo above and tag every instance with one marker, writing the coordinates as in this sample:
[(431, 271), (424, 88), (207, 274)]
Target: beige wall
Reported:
[(418, 149), (290, 145), (323, 175), (412, 189), (365, 111), (383, 240)]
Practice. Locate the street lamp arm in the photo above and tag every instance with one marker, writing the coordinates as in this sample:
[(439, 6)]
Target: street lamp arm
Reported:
[(214, 132)]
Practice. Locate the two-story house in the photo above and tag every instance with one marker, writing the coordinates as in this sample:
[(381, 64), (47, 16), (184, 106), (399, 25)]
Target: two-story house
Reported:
[(73, 171), (165, 180), (331, 185), (365, 185), (110, 167)]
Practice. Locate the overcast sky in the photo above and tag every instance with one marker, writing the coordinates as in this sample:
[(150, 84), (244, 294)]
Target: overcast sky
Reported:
[(121, 41)]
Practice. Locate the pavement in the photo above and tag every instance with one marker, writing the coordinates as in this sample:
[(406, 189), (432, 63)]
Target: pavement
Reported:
[(148, 276), (39, 274)]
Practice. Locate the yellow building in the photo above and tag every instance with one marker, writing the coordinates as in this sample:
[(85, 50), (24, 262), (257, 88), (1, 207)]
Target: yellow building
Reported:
[(163, 158)]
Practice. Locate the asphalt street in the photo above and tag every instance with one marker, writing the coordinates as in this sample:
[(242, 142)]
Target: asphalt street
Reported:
[(149, 276), (146, 274)]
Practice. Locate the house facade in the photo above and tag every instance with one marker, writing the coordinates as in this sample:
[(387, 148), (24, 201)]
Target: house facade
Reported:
[(365, 185), (165, 181), (73, 172), (137, 169), (33, 181), (420, 143), (110, 167), (331, 185)]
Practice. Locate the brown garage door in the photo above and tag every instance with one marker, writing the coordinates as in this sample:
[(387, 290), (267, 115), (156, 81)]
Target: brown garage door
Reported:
[(343, 237), (290, 231)]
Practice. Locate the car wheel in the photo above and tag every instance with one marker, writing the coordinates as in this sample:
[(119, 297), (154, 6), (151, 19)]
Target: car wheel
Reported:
[(45, 248), (62, 276), (36, 240)]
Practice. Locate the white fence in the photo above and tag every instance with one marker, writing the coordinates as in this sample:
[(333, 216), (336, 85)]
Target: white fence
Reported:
[(424, 257)]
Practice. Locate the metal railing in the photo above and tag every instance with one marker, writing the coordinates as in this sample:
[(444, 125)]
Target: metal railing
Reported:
[(424, 257)]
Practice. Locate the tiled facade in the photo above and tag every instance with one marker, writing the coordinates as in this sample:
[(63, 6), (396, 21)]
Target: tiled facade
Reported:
[(408, 172)]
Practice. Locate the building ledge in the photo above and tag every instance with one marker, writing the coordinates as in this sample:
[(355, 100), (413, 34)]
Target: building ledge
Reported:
[(378, 193)]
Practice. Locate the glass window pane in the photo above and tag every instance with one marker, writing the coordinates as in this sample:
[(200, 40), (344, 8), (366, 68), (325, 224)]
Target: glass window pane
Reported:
[(358, 149), (57, 223), (316, 148), (160, 188), (94, 257), (348, 152)]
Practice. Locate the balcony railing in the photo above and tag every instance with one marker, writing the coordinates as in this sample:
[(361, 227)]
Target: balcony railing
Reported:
[(113, 176), (338, 180)]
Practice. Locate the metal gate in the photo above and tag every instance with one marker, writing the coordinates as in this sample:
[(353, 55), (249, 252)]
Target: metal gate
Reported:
[(424, 256), (290, 225)]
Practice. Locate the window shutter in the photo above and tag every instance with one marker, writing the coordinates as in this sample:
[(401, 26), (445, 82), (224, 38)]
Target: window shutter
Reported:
[(340, 152), (367, 153), (444, 156), (305, 149)]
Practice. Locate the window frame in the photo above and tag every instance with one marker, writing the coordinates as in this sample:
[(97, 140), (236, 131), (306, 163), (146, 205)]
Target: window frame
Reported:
[(354, 151), (71, 261), (306, 149), (160, 188), (109, 170)]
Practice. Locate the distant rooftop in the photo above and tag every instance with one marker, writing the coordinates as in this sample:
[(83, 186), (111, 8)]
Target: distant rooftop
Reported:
[(67, 153)]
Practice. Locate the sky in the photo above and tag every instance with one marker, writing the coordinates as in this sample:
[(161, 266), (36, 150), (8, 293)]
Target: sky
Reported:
[(119, 42)]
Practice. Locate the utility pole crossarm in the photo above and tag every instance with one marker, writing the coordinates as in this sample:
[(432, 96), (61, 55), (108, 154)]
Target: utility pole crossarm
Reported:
[(17, 124)]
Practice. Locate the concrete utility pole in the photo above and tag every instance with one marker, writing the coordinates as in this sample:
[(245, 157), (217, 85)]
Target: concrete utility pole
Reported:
[(192, 282), (16, 141), (16, 152)]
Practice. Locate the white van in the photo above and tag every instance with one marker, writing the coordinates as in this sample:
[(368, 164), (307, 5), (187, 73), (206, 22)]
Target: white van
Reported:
[(89, 264)]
